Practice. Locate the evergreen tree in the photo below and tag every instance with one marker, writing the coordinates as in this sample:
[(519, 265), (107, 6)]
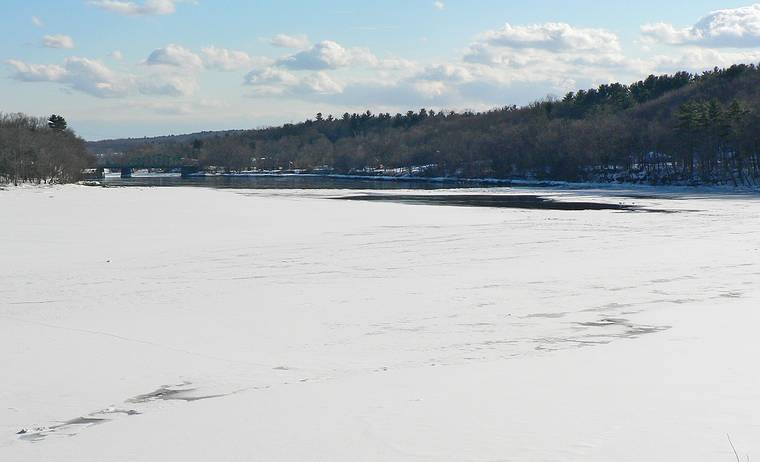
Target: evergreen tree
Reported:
[(57, 123)]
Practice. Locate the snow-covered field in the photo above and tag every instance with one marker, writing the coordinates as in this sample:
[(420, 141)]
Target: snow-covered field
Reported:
[(161, 324)]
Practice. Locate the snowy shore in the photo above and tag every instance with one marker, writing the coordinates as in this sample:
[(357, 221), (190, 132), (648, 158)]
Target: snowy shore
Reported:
[(143, 324)]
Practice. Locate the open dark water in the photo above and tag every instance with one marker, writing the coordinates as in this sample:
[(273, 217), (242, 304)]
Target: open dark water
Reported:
[(294, 182), (507, 201), (263, 182)]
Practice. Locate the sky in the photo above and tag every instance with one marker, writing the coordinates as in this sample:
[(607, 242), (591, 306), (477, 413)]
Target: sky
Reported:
[(133, 68)]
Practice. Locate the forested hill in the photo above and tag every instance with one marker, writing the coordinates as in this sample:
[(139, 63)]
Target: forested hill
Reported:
[(680, 128), (40, 150), (125, 144)]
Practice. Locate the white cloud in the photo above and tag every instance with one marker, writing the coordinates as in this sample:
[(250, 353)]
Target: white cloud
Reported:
[(328, 54), (298, 42), (37, 22), (430, 89), (222, 59), (436, 80), (226, 60), (287, 75), (552, 57), (535, 59), (58, 41), (511, 64), (168, 85), (364, 57), (80, 74), (324, 55), (134, 8), (96, 79), (93, 77), (446, 72), (175, 71), (552, 36), (438, 4), (665, 33), (443, 80), (270, 76), (736, 28), (117, 55), (482, 53), (274, 81), (518, 63), (270, 81), (699, 59), (396, 64), (174, 56), (35, 72), (320, 82)]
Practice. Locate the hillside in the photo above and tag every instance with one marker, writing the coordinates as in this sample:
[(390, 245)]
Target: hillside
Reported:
[(679, 128), (40, 150), (125, 144)]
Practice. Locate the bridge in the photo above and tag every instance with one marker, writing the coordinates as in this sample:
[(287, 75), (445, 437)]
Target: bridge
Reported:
[(186, 166)]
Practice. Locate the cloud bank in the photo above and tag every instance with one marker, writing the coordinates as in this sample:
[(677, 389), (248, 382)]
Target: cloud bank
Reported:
[(730, 28), (512, 63)]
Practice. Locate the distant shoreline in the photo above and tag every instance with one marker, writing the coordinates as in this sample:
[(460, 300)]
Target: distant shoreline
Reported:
[(475, 182)]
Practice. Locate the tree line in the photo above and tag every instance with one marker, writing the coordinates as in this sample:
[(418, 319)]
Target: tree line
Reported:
[(40, 150), (679, 128)]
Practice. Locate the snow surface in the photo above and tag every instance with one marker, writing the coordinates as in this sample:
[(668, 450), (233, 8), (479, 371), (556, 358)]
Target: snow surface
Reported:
[(142, 324)]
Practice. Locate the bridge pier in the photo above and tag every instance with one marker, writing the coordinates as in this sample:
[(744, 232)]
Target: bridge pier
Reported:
[(187, 171), (126, 172)]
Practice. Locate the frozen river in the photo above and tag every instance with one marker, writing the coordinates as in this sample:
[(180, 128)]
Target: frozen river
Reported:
[(282, 325)]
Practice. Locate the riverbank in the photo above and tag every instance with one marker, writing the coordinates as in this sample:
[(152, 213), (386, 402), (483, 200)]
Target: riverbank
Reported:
[(417, 182), (442, 182)]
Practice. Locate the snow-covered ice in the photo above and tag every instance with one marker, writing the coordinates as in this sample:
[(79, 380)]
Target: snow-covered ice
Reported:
[(141, 324)]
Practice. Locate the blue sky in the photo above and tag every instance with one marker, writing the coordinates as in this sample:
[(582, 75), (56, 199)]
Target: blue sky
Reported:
[(139, 68)]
